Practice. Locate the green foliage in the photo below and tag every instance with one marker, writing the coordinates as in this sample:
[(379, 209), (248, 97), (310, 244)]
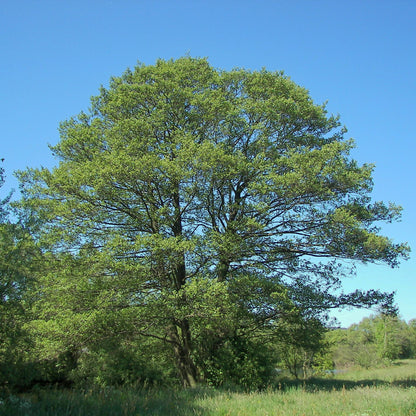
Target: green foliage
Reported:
[(385, 392), (191, 202), (301, 347), (140, 363), (236, 361), (374, 341), (4, 208), (17, 258)]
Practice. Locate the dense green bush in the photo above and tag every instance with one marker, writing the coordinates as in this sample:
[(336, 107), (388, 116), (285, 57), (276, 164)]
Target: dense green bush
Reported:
[(110, 363), (237, 361)]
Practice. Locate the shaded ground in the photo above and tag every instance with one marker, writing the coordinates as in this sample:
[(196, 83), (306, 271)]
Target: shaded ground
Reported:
[(203, 401)]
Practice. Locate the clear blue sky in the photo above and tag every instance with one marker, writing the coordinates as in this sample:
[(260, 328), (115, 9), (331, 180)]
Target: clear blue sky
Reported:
[(358, 55)]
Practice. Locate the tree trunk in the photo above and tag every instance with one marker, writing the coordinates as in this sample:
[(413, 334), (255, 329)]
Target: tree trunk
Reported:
[(187, 369), (222, 269), (181, 332)]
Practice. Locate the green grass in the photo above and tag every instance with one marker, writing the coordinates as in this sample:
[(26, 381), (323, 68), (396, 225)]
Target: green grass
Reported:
[(382, 392)]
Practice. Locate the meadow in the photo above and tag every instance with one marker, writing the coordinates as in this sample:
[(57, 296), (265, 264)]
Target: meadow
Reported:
[(384, 391)]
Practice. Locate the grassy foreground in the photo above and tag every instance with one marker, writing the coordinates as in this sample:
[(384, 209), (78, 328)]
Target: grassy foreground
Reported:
[(382, 392)]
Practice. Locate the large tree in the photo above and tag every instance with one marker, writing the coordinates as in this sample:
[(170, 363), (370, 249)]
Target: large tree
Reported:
[(206, 201)]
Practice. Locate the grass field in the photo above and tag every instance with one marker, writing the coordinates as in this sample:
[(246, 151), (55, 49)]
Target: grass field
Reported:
[(383, 392)]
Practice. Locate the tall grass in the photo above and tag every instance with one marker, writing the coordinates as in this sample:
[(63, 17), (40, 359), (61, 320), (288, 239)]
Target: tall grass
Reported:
[(368, 401), (380, 392)]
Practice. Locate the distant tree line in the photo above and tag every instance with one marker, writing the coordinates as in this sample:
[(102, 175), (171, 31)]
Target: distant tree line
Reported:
[(374, 341)]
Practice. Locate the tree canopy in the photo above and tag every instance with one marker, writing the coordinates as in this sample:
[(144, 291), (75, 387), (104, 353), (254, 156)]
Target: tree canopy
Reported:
[(193, 204)]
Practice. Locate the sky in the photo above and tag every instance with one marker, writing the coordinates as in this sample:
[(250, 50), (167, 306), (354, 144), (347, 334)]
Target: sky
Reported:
[(359, 56)]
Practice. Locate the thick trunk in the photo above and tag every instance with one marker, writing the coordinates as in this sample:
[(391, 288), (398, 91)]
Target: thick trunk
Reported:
[(222, 269), (187, 369), (180, 334), (224, 263)]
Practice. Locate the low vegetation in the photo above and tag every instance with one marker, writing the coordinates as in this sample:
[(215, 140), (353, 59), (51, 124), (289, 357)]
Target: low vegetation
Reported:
[(383, 392)]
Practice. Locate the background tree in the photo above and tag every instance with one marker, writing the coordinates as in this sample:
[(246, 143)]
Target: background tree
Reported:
[(208, 203), (374, 341)]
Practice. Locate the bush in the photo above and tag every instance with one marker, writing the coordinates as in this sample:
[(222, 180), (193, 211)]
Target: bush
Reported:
[(237, 361), (103, 367)]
